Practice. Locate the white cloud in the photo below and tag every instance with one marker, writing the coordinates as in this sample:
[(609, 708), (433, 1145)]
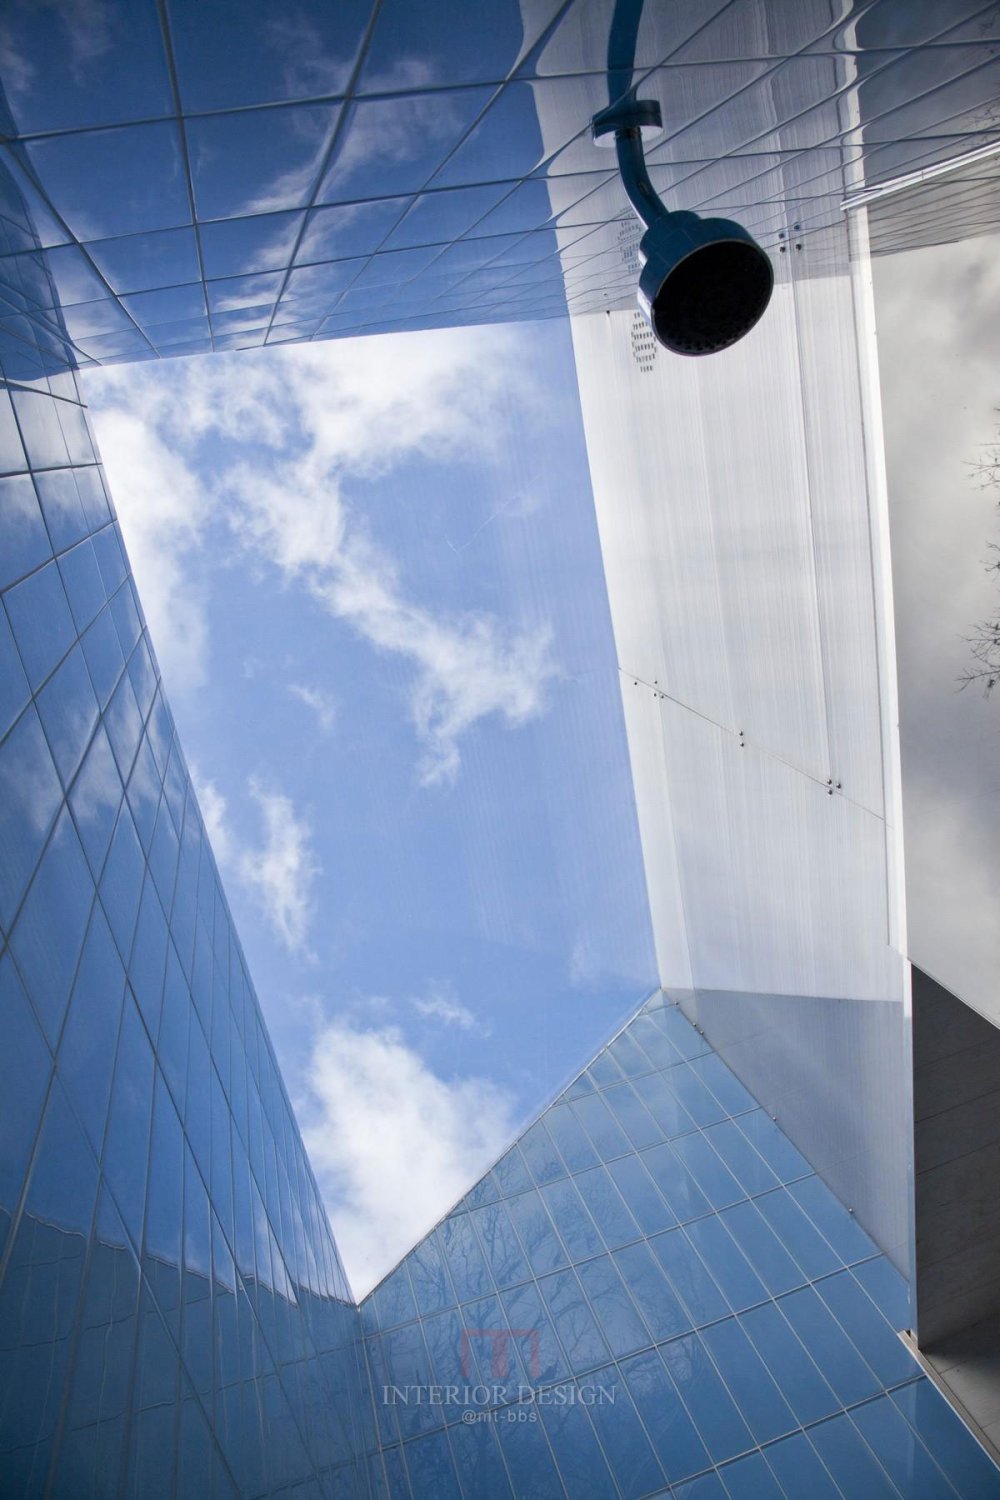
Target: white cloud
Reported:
[(321, 704), (86, 27), (392, 1143), (347, 413), (467, 667), (213, 812), (281, 871), (439, 1005), (163, 513)]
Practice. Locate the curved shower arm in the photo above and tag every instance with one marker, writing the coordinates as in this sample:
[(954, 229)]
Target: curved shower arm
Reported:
[(622, 40), (635, 177), (703, 283)]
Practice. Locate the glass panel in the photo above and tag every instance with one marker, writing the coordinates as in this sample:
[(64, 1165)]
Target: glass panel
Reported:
[(578, 1455), (24, 1074), (599, 1124), (127, 1146), (68, 711), (626, 1446), (41, 621), (29, 798), (829, 1346), (571, 1140), (797, 1233), (721, 1427), (768, 1257), (503, 1250), (149, 956), (534, 1228), (574, 1323), (258, 161), (886, 1288), (965, 1463), (900, 1452), (14, 690), (887, 1355), (605, 1205), (121, 882), (750, 1479), (528, 1456), (110, 182), (104, 656), (431, 1469), (96, 72), (95, 798), (43, 435), (675, 1183), (774, 1146), (464, 1257), (534, 1352), (666, 1109), (632, 1115), (480, 1468), (83, 583), (24, 542), (751, 1387), (801, 1383), (653, 1295), (544, 1161), (571, 1219), (511, 1175), (673, 1435), (798, 1469), (393, 1300), (141, 262), (397, 143), (612, 1306), (308, 53), (89, 1039), (636, 1187), (849, 1460), (49, 931), (833, 1220), (429, 1277), (689, 1278), (716, 1182)]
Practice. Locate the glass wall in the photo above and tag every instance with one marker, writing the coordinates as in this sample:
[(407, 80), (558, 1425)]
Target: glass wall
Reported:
[(172, 1307), (651, 1293)]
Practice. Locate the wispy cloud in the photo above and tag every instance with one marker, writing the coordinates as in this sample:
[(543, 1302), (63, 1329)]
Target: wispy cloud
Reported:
[(279, 870), (347, 414), (321, 704), (393, 1144), (214, 814), (440, 1005), (164, 512), (282, 869)]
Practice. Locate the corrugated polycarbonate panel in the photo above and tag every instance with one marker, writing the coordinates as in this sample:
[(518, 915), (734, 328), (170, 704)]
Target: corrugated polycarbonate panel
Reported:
[(740, 578), (741, 535), (655, 803), (783, 885), (835, 439)]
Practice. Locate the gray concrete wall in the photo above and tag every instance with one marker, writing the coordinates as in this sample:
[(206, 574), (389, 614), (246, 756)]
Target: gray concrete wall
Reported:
[(956, 1100)]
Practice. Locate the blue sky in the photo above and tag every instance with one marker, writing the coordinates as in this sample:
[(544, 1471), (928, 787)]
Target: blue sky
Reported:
[(372, 575)]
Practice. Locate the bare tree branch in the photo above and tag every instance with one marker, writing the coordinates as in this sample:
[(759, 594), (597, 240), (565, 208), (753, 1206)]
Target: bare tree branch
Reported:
[(984, 642)]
